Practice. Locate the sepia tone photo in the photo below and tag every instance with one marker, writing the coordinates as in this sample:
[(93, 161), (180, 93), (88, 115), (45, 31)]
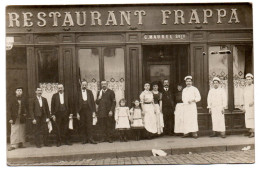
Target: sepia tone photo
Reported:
[(130, 84)]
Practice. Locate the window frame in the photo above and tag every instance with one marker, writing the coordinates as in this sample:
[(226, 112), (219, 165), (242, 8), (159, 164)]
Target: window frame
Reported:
[(231, 99)]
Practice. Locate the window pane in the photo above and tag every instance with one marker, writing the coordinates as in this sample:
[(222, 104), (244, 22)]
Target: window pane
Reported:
[(48, 65), (89, 68), (218, 67), (242, 64), (114, 67)]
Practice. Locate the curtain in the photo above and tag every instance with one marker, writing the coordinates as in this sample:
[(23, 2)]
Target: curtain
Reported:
[(238, 74)]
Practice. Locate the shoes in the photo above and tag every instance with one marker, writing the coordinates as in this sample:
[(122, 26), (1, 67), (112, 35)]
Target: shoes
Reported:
[(247, 134), (110, 140), (223, 136), (58, 144), (195, 135), (38, 146), (92, 141), (84, 142), (11, 148), (252, 135), (68, 143), (185, 136), (214, 134), (21, 146), (125, 139)]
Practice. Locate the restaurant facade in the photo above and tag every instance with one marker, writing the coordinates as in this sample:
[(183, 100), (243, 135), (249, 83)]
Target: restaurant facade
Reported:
[(128, 45)]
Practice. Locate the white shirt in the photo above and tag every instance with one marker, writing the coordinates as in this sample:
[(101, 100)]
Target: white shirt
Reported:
[(40, 100), (84, 95), (190, 93), (166, 88), (217, 98), (61, 98)]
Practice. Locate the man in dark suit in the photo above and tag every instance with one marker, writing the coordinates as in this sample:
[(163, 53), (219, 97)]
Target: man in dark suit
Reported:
[(106, 107), (41, 116), (17, 111), (168, 108), (61, 111), (85, 112)]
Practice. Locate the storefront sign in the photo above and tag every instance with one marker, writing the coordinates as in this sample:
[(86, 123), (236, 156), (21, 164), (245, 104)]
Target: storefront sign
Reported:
[(164, 36), (120, 18)]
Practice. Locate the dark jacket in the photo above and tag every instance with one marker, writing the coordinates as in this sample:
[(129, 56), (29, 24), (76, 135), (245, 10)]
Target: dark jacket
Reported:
[(13, 107), (106, 104), (90, 101), (55, 104), (35, 109), (178, 97), (167, 99)]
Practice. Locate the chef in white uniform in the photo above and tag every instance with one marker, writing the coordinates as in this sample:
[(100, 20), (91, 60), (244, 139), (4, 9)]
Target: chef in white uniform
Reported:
[(190, 96), (217, 101), (248, 104)]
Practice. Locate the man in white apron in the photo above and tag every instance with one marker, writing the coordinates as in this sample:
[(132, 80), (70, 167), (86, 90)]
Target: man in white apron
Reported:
[(190, 96), (217, 101), (248, 104)]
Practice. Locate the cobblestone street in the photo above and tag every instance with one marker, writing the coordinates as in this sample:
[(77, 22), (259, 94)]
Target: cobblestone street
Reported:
[(201, 158)]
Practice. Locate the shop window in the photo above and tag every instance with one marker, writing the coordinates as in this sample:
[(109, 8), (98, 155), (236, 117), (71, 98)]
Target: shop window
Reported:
[(218, 66), (88, 60), (242, 64), (114, 70), (48, 68), (48, 71)]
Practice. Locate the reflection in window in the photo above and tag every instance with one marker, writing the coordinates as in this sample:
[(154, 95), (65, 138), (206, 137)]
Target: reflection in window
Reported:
[(89, 68), (242, 64), (48, 65), (218, 66), (114, 70)]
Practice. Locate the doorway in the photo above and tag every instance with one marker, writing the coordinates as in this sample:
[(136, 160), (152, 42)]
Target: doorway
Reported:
[(166, 62)]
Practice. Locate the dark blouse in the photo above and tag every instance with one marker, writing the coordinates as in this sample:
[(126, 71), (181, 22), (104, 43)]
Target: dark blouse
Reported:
[(157, 98), (178, 97)]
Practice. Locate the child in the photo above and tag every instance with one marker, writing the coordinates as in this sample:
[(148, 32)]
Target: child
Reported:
[(122, 117), (137, 121)]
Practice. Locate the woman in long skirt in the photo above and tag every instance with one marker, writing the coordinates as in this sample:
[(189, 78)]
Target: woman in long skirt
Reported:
[(157, 96), (146, 98)]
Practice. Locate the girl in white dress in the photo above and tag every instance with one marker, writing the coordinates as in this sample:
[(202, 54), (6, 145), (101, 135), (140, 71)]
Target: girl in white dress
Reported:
[(146, 98), (122, 118), (137, 121)]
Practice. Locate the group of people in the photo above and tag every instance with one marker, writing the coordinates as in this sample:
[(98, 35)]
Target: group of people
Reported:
[(154, 113)]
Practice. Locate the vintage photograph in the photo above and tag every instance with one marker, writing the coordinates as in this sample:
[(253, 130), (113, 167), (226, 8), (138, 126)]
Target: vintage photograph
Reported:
[(129, 84)]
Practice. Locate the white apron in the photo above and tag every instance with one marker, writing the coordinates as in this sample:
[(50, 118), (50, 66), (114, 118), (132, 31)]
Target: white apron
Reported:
[(150, 122), (217, 101), (190, 116), (17, 133), (159, 119), (249, 114), (179, 118)]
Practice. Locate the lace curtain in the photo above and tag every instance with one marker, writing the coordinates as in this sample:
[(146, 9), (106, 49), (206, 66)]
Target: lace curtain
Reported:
[(218, 67), (48, 89), (238, 74), (114, 67)]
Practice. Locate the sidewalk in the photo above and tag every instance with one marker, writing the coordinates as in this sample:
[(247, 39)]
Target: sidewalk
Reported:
[(171, 145)]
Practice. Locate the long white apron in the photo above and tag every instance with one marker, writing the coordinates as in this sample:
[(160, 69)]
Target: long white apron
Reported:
[(17, 133), (150, 122), (190, 118), (249, 114), (179, 118), (159, 119), (218, 119)]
